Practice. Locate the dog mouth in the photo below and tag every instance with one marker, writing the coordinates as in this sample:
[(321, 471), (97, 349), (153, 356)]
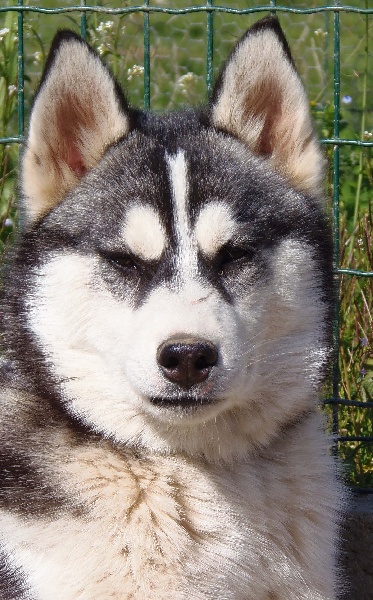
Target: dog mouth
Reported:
[(182, 402)]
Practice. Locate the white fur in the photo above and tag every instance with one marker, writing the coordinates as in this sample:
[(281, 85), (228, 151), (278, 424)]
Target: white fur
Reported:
[(230, 500), (214, 227), (187, 251), (104, 349), (250, 532), (143, 232)]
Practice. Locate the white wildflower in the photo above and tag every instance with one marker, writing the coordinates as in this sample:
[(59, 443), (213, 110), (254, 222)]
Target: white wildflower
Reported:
[(134, 71), (103, 27), (37, 57), (185, 82), (320, 33), (3, 33), (346, 99)]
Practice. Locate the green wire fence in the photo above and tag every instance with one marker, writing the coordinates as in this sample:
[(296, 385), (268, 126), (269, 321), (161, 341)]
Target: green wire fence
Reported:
[(86, 17)]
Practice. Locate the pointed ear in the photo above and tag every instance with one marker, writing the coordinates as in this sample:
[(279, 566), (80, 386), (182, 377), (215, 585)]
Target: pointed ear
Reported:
[(78, 111), (259, 98)]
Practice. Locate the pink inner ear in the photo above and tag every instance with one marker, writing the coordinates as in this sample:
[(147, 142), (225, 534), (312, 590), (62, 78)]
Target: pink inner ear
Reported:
[(75, 162), (71, 119), (266, 103)]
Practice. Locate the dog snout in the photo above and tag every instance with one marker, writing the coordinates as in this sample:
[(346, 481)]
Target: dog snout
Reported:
[(188, 361)]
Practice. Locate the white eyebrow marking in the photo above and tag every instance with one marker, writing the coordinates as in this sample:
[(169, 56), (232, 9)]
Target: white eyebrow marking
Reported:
[(214, 227), (143, 232), (187, 247)]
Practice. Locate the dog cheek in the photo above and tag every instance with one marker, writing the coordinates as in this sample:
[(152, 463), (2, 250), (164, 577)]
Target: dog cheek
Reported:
[(78, 323), (292, 327)]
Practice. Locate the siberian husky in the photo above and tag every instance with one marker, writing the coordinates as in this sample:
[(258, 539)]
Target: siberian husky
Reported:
[(166, 326)]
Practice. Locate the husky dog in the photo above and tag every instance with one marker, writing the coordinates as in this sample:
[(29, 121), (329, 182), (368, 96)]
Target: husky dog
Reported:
[(166, 326)]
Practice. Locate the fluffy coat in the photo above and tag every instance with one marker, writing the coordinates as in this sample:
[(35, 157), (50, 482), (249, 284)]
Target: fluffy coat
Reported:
[(166, 317)]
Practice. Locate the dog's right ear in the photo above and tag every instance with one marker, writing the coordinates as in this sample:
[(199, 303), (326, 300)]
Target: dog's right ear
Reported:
[(78, 111)]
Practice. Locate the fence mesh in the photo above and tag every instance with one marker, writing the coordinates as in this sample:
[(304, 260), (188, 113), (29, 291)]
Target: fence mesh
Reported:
[(166, 53)]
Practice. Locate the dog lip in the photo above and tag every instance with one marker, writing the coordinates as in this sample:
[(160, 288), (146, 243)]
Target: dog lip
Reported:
[(181, 402)]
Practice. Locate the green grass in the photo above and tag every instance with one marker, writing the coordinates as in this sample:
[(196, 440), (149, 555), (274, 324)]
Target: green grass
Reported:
[(356, 358), (178, 77)]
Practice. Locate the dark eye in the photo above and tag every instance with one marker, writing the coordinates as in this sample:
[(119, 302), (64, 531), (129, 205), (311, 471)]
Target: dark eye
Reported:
[(232, 254), (124, 262)]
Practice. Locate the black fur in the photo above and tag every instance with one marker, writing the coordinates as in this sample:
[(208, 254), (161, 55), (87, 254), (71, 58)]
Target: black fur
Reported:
[(13, 584), (88, 222)]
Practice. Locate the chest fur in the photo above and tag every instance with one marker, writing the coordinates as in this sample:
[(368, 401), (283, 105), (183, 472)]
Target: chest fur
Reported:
[(164, 527)]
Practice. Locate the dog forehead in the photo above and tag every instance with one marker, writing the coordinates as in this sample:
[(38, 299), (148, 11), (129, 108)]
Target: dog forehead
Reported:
[(159, 195), (213, 223), (184, 225)]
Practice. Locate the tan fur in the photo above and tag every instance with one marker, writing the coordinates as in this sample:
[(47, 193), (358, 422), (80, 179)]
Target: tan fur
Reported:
[(67, 141), (167, 527), (214, 227), (264, 104), (233, 499), (143, 232)]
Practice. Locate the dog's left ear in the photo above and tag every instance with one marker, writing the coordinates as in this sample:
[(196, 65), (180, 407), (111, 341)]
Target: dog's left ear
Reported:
[(259, 98)]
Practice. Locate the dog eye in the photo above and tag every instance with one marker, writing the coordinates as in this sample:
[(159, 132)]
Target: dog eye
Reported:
[(232, 254), (124, 262)]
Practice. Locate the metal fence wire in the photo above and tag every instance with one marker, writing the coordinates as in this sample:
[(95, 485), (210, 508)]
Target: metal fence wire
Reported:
[(168, 51)]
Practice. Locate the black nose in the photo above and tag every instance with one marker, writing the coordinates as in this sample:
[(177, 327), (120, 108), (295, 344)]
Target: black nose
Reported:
[(187, 361)]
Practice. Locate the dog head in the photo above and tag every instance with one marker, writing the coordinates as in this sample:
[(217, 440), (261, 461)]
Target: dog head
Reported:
[(173, 274)]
